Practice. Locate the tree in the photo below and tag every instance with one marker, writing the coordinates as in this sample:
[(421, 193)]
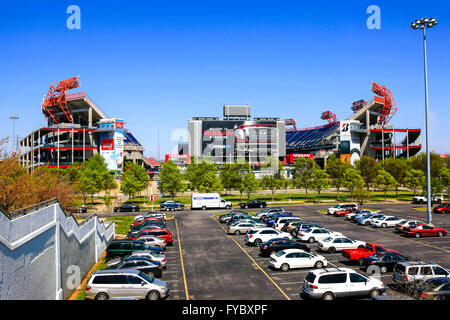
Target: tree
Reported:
[(397, 169), (419, 162), (368, 169), (352, 179), (445, 179), (203, 177), (229, 176), (302, 173), (413, 179), (134, 179), (93, 177), (249, 184), (319, 181), (273, 183), (335, 169), (170, 179), (385, 181)]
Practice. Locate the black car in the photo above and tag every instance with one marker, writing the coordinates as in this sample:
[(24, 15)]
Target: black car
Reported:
[(147, 224), (385, 261), (122, 248), (144, 265), (127, 207), (435, 288), (253, 204), (82, 209), (275, 245)]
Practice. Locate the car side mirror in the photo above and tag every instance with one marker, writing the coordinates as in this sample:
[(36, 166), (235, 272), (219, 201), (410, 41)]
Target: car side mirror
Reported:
[(143, 283)]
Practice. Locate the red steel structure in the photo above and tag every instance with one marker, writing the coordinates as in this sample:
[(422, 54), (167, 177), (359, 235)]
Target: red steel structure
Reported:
[(55, 100), (389, 105), (330, 116)]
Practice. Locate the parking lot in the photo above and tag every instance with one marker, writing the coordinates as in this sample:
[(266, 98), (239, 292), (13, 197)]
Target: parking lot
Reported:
[(221, 266)]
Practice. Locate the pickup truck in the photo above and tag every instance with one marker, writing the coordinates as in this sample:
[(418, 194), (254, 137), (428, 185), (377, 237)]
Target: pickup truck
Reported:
[(358, 255)]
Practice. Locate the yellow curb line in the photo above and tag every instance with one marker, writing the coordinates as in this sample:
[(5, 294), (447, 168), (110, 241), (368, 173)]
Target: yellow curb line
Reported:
[(182, 263)]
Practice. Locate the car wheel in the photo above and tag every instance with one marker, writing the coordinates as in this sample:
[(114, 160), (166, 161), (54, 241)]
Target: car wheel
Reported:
[(167, 209), (257, 242), (332, 250), (203, 208), (421, 201), (360, 246), (101, 296), (228, 207), (417, 235), (311, 240), (246, 206), (261, 206), (361, 261), (383, 269), (237, 232), (294, 233), (374, 293), (384, 225), (284, 267), (153, 295), (319, 265), (440, 234), (328, 296)]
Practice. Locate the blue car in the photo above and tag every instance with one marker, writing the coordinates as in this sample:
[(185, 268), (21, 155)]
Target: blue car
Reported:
[(170, 205), (270, 221)]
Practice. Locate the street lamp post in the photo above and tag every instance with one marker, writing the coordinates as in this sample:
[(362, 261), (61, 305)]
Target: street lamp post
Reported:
[(14, 118), (424, 24)]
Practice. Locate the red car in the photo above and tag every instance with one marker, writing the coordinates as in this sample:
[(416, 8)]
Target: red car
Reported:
[(136, 223), (442, 208), (424, 230), (158, 232), (342, 213), (358, 255)]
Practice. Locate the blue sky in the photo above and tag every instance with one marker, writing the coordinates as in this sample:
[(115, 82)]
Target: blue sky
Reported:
[(158, 63)]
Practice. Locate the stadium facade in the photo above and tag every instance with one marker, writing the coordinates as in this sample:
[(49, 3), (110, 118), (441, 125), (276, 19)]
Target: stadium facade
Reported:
[(76, 130)]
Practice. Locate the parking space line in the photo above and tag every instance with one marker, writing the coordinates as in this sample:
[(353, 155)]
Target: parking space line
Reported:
[(182, 263), (257, 265)]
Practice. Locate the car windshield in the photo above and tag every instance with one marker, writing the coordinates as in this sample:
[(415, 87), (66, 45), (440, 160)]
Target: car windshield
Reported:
[(376, 256), (146, 277), (252, 231), (279, 253), (337, 206), (442, 205), (308, 230), (327, 239)]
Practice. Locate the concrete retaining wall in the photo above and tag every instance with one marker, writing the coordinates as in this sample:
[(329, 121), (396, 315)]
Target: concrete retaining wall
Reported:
[(44, 253)]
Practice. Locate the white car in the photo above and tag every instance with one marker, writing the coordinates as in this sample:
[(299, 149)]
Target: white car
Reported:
[(406, 223), (153, 241), (280, 222), (333, 244), (316, 234), (341, 206), (365, 219), (296, 258), (384, 222), (261, 235), (331, 283), (435, 198)]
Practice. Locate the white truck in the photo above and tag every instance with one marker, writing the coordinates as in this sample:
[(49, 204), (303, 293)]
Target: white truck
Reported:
[(209, 201), (435, 198)]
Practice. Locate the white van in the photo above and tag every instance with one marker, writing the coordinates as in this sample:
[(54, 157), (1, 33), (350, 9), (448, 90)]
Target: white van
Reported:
[(209, 201)]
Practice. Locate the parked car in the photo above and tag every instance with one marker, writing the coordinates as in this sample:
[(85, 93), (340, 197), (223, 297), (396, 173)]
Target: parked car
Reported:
[(144, 265), (385, 261), (287, 259), (236, 218), (344, 212), (364, 213), (146, 224), (277, 244), (341, 206), (153, 241), (281, 221), (442, 208), (406, 223), (263, 213), (258, 236), (436, 289), (332, 283), (339, 243), (225, 217), (435, 198), (134, 234), (82, 209), (116, 284), (316, 234), (357, 255), (170, 205), (154, 256), (163, 234), (253, 204), (424, 230), (302, 226), (385, 222), (160, 216), (241, 227), (127, 207), (413, 271), (356, 214), (140, 221), (122, 248), (366, 220), (271, 220)]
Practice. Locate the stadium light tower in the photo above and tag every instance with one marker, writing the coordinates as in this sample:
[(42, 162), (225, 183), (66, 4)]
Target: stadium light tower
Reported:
[(424, 24), (14, 118)]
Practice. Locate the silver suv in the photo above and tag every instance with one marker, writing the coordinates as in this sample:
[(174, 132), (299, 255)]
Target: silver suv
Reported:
[(119, 284), (413, 271)]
